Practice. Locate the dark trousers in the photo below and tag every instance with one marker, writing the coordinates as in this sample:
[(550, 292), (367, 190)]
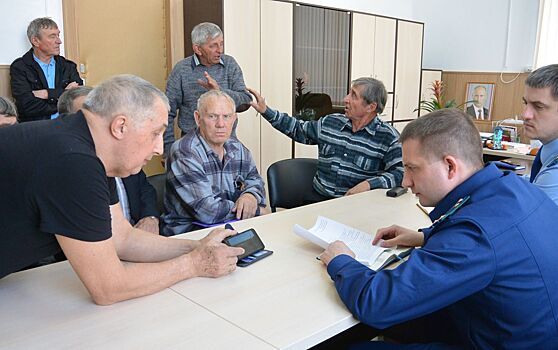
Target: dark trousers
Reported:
[(434, 331)]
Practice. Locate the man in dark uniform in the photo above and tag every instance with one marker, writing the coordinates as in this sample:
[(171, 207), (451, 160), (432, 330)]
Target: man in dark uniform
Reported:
[(486, 275), (42, 75)]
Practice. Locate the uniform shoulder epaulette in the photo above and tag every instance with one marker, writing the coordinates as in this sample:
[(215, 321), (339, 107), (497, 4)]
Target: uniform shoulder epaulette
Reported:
[(452, 210), (553, 163)]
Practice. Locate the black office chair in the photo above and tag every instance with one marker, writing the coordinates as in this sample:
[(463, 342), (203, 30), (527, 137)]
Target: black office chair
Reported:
[(321, 103), (158, 182), (290, 182)]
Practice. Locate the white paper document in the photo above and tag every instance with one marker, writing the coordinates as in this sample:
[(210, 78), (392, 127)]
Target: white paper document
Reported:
[(326, 231)]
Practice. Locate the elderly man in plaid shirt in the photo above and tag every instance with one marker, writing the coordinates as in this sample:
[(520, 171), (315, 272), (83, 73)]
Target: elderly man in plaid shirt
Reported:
[(357, 150), (212, 178)]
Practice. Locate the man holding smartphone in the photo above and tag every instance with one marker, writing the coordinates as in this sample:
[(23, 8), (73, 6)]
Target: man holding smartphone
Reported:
[(56, 196)]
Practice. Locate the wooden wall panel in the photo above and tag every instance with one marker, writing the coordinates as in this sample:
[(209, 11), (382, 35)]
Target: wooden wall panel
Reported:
[(507, 97), (198, 11), (508, 101), (5, 88)]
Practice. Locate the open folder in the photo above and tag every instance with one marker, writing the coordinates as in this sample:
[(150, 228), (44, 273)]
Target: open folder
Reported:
[(326, 231)]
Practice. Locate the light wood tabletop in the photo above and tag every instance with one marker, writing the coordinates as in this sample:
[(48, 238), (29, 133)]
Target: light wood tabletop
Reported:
[(285, 301), (49, 308), (288, 299)]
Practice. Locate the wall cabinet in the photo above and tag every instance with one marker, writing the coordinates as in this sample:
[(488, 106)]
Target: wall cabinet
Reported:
[(389, 50), (373, 48), (407, 70), (276, 41)]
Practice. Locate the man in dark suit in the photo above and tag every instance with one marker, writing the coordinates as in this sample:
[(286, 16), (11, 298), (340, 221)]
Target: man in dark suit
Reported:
[(142, 211), (42, 75), (477, 108)]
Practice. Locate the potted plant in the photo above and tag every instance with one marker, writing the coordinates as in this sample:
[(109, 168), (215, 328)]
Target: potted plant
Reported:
[(437, 102), (301, 98)]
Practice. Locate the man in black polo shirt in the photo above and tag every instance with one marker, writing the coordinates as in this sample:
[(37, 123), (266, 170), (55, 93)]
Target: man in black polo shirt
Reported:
[(56, 195)]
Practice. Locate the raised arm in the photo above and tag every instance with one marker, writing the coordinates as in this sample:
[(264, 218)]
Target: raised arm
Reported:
[(300, 131), (236, 87)]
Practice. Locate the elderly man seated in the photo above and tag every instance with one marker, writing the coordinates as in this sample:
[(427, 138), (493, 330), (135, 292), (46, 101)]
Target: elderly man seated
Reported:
[(8, 112), (212, 178)]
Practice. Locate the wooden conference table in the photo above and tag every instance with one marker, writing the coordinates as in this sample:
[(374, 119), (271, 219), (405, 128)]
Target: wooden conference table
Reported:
[(286, 301)]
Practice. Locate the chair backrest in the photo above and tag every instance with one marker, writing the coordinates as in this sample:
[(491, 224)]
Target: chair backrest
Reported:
[(158, 182), (290, 182), (321, 103)]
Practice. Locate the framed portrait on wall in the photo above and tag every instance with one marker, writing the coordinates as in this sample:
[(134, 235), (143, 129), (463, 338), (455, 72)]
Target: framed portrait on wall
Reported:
[(480, 97)]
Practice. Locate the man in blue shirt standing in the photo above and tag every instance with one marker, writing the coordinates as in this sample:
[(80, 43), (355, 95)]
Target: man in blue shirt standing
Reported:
[(488, 262), (540, 117), (42, 75)]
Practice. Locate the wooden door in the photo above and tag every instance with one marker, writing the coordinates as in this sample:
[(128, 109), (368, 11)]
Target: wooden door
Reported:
[(107, 38)]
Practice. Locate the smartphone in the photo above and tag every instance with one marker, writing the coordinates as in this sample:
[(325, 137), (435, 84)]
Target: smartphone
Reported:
[(252, 258), (396, 191), (249, 240)]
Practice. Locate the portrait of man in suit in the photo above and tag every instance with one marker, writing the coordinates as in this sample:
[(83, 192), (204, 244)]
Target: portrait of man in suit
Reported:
[(481, 97)]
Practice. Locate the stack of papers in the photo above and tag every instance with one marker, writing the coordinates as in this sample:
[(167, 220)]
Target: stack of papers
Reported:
[(327, 231)]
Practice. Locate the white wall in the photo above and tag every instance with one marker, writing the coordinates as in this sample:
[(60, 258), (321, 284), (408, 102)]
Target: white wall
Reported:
[(464, 35), (459, 35), (16, 15)]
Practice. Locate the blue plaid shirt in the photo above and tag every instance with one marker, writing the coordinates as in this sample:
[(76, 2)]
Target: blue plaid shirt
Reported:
[(346, 158), (200, 187)]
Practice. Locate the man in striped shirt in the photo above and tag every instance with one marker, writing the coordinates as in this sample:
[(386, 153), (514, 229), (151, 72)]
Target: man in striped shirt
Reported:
[(357, 150)]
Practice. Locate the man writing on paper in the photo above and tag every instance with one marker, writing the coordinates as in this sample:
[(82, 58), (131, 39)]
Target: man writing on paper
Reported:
[(540, 117), (357, 150), (212, 176), (56, 195), (487, 273)]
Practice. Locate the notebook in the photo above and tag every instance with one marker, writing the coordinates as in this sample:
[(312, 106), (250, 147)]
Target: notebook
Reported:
[(326, 231)]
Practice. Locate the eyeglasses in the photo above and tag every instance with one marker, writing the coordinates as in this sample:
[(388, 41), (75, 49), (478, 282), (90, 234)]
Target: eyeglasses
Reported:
[(215, 117)]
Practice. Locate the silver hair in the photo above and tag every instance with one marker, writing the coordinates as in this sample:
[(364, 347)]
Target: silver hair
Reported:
[(66, 100), (373, 91), (7, 107), (204, 32), (34, 28), (203, 101), (544, 77), (127, 95), (445, 132)]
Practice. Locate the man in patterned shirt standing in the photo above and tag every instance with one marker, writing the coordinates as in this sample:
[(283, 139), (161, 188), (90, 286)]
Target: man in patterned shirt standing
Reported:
[(357, 150), (212, 178)]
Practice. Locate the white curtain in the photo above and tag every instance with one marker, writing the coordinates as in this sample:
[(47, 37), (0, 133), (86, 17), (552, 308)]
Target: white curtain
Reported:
[(321, 50), (547, 48)]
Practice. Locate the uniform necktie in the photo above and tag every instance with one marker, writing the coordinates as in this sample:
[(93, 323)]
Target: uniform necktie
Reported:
[(536, 167)]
